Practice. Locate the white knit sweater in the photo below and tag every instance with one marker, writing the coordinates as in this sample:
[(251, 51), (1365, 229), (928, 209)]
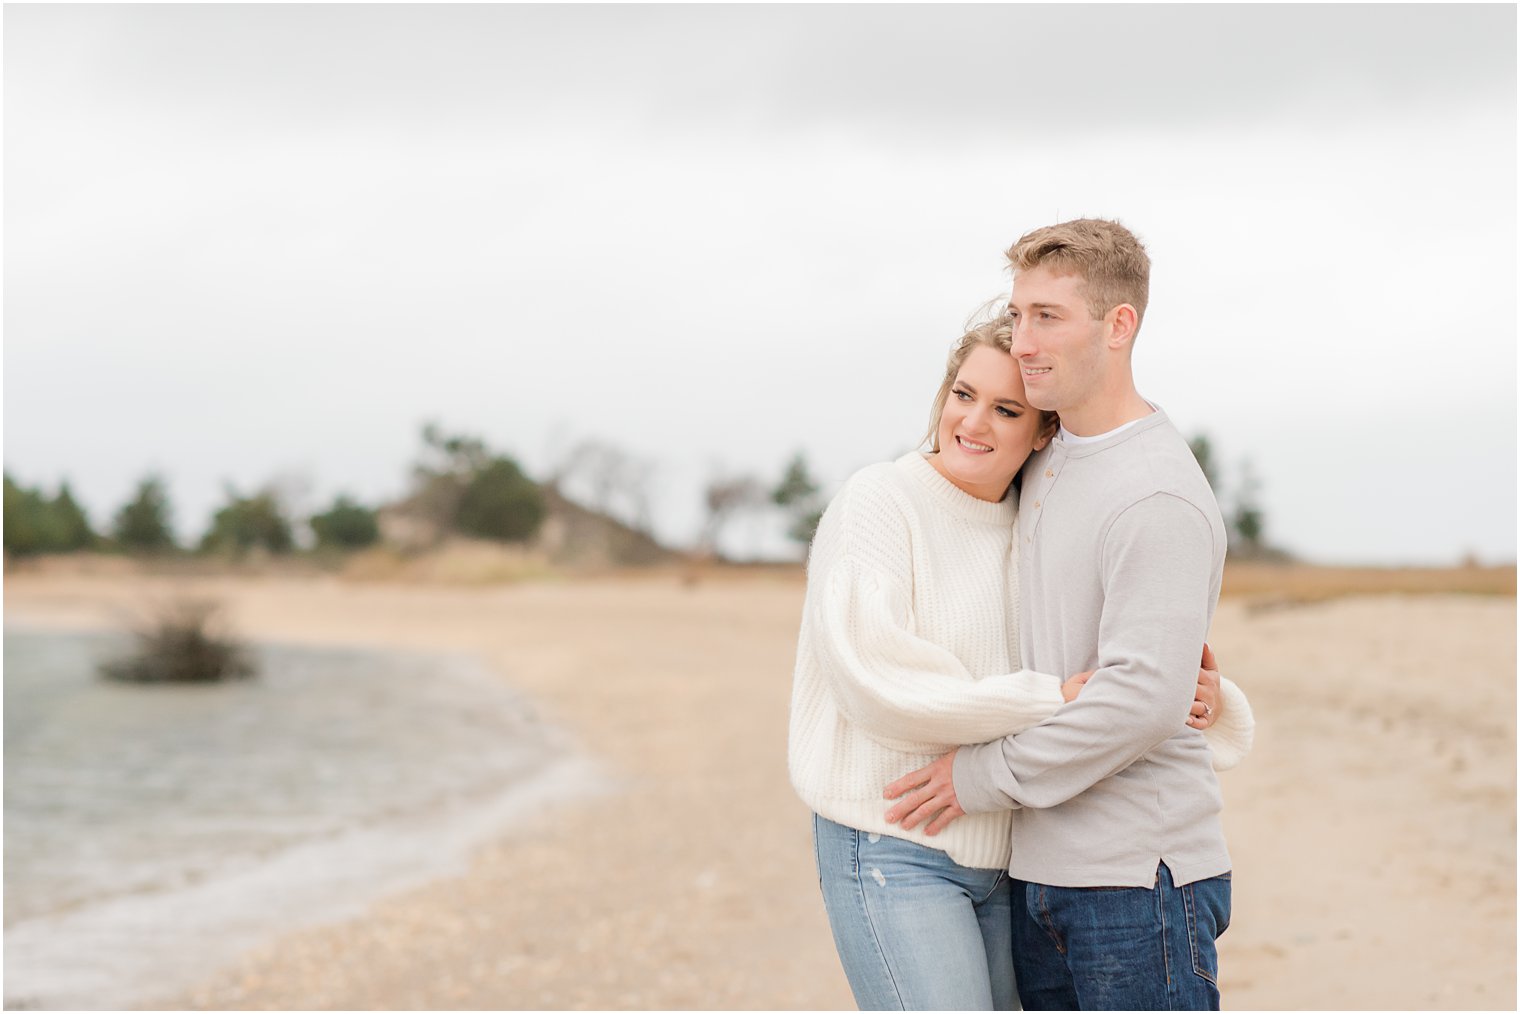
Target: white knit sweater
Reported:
[(909, 647)]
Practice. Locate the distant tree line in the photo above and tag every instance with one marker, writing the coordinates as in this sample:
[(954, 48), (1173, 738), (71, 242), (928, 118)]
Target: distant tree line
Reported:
[(38, 523), (460, 485)]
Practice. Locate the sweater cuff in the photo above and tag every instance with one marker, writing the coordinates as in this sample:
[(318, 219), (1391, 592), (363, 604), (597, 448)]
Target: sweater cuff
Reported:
[(1041, 691), (1230, 738)]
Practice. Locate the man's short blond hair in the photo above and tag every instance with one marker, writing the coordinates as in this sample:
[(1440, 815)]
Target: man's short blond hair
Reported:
[(1110, 260)]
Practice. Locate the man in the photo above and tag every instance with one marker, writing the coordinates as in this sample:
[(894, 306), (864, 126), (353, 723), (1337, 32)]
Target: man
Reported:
[(1116, 831)]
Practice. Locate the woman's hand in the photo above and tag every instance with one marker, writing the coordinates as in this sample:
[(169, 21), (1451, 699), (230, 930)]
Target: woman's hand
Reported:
[(930, 792), (1072, 687), (1206, 699)]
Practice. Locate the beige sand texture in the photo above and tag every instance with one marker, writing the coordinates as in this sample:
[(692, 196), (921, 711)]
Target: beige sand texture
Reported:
[(1373, 828)]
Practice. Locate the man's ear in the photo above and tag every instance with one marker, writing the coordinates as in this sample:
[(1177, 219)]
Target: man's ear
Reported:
[(1121, 323), (1047, 432)]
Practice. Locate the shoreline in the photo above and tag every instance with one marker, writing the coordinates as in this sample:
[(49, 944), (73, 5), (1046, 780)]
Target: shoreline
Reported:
[(693, 887), (152, 943)]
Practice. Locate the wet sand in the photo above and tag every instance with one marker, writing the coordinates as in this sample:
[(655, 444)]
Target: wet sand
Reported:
[(1373, 827)]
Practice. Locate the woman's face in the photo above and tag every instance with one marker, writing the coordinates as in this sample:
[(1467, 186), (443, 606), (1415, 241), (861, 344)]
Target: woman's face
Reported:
[(987, 429)]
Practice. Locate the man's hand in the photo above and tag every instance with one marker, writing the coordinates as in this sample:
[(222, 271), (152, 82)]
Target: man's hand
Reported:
[(1072, 687), (1206, 699), (927, 792)]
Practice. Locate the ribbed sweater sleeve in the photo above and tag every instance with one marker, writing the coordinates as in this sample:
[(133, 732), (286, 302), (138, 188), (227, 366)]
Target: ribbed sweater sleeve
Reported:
[(900, 689), (906, 692)]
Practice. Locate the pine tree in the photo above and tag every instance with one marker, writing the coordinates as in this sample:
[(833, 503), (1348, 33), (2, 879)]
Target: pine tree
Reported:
[(142, 524), (797, 493), (74, 531)]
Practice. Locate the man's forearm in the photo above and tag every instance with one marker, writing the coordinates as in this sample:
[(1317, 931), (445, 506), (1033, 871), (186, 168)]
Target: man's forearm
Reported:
[(1104, 731), (1156, 603)]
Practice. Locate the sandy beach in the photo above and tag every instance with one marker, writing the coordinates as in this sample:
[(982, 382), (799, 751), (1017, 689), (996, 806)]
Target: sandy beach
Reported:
[(1373, 827)]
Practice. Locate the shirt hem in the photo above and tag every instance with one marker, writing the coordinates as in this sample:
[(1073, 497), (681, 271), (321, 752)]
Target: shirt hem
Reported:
[(1134, 873)]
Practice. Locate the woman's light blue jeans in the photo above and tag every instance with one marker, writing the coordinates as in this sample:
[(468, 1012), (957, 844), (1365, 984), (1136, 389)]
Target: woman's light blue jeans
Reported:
[(915, 930)]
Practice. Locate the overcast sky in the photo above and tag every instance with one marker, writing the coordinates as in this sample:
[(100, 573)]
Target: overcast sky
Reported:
[(254, 242)]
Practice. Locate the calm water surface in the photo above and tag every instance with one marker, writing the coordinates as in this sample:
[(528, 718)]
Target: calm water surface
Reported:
[(205, 815)]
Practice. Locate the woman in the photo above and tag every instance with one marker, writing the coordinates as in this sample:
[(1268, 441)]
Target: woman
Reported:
[(908, 648)]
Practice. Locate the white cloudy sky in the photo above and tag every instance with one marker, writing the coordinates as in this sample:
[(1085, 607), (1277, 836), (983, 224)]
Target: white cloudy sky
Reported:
[(245, 242)]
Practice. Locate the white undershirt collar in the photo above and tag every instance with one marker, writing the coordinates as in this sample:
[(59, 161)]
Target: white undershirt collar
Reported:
[(1071, 438)]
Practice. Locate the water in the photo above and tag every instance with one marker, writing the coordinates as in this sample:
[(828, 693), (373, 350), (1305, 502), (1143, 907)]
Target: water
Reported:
[(152, 832)]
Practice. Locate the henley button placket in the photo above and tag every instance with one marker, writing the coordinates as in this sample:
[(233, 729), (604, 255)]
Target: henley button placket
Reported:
[(1042, 492)]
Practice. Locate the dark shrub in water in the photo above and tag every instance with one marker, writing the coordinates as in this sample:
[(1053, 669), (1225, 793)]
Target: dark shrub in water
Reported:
[(183, 644)]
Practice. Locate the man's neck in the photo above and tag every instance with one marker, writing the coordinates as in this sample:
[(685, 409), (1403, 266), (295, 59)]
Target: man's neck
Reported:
[(1105, 412)]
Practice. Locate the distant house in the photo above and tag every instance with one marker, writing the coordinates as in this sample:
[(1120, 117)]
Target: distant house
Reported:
[(578, 536), (571, 535)]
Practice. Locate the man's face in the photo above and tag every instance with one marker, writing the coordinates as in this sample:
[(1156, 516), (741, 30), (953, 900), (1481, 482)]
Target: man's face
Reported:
[(1059, 345)]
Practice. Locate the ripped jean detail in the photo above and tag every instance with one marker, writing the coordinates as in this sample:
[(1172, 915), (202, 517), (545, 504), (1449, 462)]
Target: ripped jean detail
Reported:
[(914, 929)]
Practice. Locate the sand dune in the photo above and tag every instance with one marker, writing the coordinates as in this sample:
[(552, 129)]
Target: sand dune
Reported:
[(1373, 828)]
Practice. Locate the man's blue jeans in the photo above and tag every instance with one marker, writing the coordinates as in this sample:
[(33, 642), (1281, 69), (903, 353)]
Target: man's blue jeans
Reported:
[(1120, 948), (915, 930)]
